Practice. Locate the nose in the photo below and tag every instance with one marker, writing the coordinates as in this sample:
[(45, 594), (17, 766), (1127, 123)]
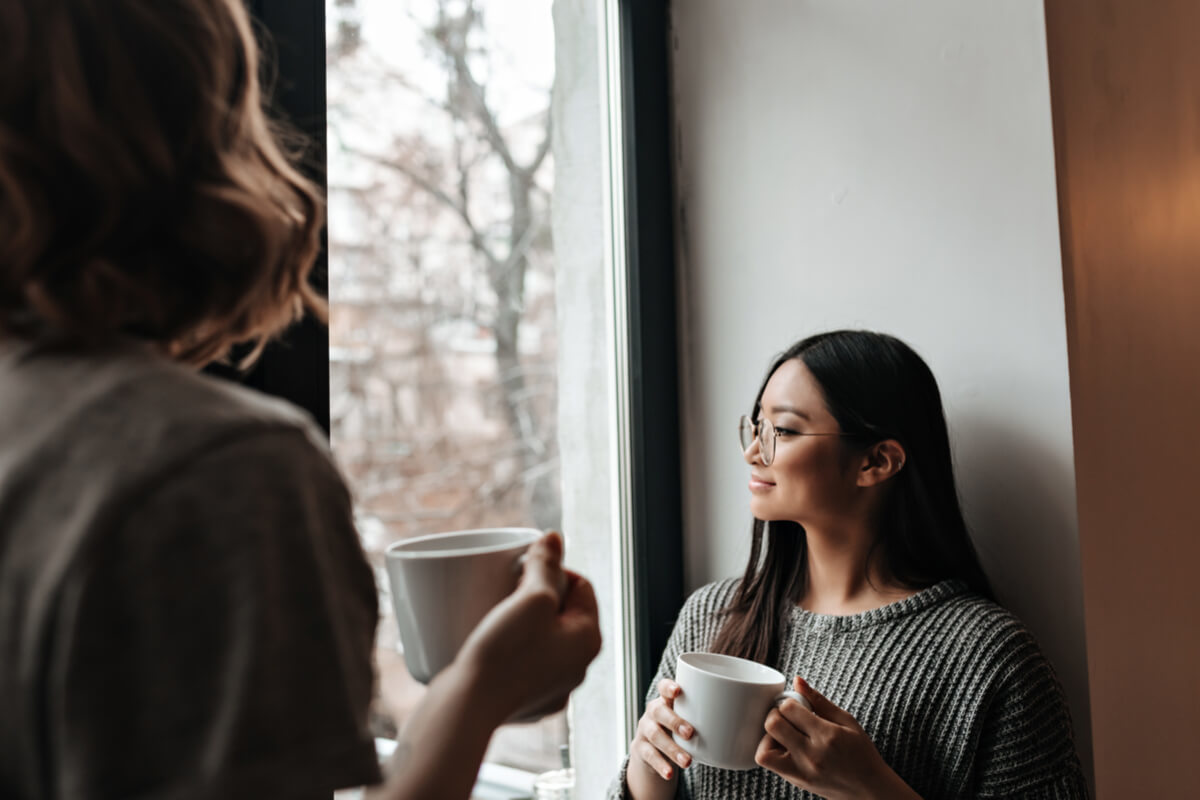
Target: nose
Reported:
[(753, 453)]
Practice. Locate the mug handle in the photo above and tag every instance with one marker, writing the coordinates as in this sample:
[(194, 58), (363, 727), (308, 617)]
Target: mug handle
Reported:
[(793, 695)]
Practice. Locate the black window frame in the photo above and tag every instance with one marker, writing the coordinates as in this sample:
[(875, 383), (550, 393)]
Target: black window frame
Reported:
[(653, 358), (296, 367)]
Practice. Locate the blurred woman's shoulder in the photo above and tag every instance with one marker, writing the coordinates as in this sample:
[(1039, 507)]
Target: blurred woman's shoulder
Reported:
[(127, 411)]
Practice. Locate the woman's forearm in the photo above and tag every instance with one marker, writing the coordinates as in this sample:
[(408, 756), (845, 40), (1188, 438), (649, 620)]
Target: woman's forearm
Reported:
[(443, 742)]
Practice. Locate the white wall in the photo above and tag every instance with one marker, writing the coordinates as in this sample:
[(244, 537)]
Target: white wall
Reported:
[(868, 163)]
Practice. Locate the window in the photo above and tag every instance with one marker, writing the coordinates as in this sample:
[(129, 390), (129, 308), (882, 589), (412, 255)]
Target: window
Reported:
[(443, 326), (415, 386), (462, 292)]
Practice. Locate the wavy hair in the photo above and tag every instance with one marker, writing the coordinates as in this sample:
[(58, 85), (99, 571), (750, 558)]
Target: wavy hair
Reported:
[(144, 191)]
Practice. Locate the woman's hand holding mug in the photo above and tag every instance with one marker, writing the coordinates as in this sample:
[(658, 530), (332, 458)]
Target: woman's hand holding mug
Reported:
[(519, 663), (653, 755), (534, 647), (824, 750), (711, 713)]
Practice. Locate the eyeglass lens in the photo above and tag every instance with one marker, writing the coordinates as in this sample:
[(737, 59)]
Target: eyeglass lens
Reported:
[(766, 438)]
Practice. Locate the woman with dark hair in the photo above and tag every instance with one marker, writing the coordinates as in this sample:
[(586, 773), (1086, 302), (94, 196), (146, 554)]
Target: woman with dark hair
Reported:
[(185, 608), (863, 583)]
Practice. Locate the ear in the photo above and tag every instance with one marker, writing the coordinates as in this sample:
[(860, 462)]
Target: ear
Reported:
[(881, 462)]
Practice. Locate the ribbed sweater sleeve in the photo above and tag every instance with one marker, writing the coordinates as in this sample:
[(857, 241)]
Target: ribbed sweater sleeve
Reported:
[(1026, 748), (950, 687)]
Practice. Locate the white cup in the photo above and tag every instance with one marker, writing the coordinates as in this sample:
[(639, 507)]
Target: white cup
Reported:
[(444, 584), (726, 701)]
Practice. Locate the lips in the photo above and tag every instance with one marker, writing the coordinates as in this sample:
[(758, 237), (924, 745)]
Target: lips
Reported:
[(758, 484)]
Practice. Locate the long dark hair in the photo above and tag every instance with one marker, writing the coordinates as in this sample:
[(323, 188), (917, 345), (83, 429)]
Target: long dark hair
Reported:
[(877, 388)]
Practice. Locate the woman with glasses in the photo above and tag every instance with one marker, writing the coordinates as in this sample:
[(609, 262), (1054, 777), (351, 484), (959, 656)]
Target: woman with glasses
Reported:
[(862, 583)]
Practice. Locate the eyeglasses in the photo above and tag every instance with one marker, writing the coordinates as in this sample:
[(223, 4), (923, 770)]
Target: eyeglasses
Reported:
[(766, 433)]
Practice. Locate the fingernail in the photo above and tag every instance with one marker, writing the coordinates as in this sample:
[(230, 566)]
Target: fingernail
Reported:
[(685, 731), (683, 759), (666, 773)]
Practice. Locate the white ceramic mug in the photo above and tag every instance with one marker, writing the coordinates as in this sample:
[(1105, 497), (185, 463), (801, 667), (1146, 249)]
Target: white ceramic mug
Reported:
[(444, 584), (726, 701)]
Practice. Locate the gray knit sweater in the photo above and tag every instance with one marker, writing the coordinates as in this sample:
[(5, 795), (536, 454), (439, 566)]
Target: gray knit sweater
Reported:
[(951, 688)]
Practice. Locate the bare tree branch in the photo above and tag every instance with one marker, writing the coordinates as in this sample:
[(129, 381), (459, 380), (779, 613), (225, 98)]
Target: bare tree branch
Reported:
[(464, 174), (432, 189), (449, 35), (544, 146), (522, 247), (484, 114)]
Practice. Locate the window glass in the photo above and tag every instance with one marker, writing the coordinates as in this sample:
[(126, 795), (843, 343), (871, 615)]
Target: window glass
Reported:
[(464, 354)]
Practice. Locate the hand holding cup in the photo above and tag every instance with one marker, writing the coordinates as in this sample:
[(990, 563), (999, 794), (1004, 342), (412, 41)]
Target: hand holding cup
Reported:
[(654, 747), (726, 701), (445, 583), (713, 713), (534, 647)]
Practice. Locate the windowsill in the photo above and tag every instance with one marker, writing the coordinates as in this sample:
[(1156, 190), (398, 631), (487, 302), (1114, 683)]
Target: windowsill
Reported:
[(495, 782)]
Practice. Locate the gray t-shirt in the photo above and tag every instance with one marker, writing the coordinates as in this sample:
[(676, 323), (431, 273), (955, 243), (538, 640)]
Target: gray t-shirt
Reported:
[(185, 608)]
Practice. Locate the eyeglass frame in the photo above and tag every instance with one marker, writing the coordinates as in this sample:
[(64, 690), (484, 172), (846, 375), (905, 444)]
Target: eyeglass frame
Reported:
[(759, 429)]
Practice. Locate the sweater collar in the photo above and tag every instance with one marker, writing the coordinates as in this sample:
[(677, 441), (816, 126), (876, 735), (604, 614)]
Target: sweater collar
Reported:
[(923, 599)]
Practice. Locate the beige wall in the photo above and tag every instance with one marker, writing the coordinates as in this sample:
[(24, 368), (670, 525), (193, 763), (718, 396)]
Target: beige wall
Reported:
[(1125, 78)]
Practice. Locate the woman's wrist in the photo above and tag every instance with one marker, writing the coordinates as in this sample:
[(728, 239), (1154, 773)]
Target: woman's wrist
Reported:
[(644, 783), (443, 741), (487, 708)]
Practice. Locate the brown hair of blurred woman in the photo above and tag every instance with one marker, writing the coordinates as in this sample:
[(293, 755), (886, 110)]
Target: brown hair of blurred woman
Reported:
[(143, 190)]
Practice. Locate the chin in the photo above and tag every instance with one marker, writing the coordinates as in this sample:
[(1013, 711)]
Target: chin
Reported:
[(765, 513)]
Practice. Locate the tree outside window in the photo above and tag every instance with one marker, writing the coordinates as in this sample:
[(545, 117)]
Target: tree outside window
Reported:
[(443, 344)]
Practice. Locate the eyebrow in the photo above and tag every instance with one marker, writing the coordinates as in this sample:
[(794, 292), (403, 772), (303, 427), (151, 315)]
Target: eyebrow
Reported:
[(790, 410)]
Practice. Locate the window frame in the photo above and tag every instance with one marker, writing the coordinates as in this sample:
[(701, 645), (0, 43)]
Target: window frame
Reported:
[(655, 481), (296, 367)]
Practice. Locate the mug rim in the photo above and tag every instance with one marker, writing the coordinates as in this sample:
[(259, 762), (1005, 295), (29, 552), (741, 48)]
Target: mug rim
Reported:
[(401, 549), (683, 658)]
